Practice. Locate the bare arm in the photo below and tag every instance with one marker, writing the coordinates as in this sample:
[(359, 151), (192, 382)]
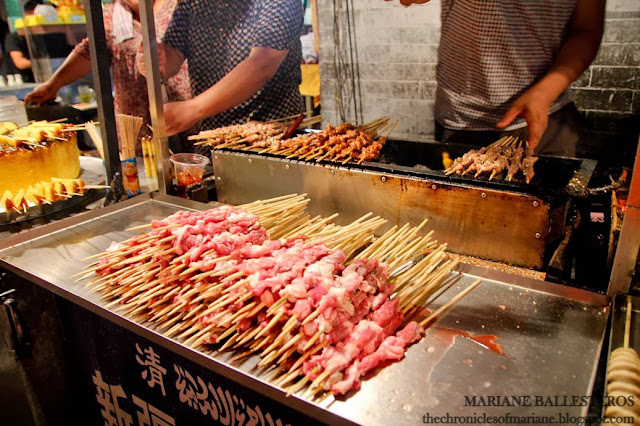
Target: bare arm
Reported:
[(73, 68), (244, 80), (19, 60), (169, 58), (240, 84), (580, 47), (575, 55)]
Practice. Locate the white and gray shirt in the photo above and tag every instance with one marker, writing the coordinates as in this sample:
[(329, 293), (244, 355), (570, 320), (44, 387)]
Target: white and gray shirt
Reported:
[(491, 52)]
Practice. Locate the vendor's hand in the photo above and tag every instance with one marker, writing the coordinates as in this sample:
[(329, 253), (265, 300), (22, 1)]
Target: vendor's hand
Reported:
[(140, 63), (181, 116), (42, 94), (533, 106)]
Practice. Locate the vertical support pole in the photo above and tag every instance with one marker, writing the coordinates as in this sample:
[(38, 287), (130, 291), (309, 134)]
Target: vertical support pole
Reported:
[(154, 81), (100, 66), (624, 262), (315, 26), (31, 48)]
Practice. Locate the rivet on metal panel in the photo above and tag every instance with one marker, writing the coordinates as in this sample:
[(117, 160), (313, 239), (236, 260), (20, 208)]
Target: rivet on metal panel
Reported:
[(250, 160), (333, 172), (536, 204), (538, 235), (434, 186), (483, 195), (286, 166), (383, 178)]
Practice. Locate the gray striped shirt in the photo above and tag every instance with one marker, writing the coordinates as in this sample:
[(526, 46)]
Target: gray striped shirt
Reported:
[(493, 51)]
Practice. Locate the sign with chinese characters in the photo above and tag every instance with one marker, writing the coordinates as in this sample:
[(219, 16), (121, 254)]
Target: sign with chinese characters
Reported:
[(136, 382)]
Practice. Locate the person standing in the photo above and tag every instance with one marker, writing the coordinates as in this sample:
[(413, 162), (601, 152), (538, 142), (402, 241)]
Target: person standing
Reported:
[(129, 86), (17, 51), (244, 61), (506, 65)]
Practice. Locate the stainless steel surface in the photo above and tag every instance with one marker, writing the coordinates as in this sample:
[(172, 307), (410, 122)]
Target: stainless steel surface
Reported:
[(100, 66), (36, 64), (154, 80), (624, 262), (493, 224), (551, 335)]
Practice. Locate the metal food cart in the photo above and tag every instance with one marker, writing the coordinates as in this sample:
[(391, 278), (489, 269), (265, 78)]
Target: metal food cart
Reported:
[(551, 336)]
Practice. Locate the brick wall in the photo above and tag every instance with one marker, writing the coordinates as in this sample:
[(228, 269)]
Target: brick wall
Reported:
[(608, 93), (397, 53)]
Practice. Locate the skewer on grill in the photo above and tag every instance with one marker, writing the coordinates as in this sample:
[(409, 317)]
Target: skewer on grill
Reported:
[(508, 154)]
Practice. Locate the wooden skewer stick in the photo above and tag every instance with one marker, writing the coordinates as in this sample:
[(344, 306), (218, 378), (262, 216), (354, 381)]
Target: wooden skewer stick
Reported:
[(308, 353), (271, 323), (227, 333), (311, 317), (627, 322), (291, 374), (247, 335), (295, 388), (268, 359), (450, 303), (313, 339), (277, 305), (285, 356), (325, 374)]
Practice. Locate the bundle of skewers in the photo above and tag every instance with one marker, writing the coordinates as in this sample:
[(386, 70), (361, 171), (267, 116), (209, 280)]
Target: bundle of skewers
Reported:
[(253, 133), (128, 129), (322, 304), (506, 157), (44, 193), (623, 376), (94, 134), (344, 143)]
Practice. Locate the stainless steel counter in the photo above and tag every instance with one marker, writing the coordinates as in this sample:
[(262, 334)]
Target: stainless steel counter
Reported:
[(551, 335)]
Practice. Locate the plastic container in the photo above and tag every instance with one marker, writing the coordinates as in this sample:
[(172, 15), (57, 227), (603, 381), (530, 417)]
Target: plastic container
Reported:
[(13, 110), (189, 169), (86, 94)]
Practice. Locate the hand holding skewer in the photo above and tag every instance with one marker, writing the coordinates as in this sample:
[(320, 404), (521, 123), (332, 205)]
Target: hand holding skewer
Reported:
[(533, 106)]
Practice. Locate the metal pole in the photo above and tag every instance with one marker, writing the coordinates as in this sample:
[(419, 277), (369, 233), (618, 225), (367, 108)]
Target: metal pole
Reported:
[(100, 66), (31, 47), (154, 81), (624, 263)]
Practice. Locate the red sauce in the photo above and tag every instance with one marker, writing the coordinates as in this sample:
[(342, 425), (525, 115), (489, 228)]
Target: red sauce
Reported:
[(485, 340), (185, 179)]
